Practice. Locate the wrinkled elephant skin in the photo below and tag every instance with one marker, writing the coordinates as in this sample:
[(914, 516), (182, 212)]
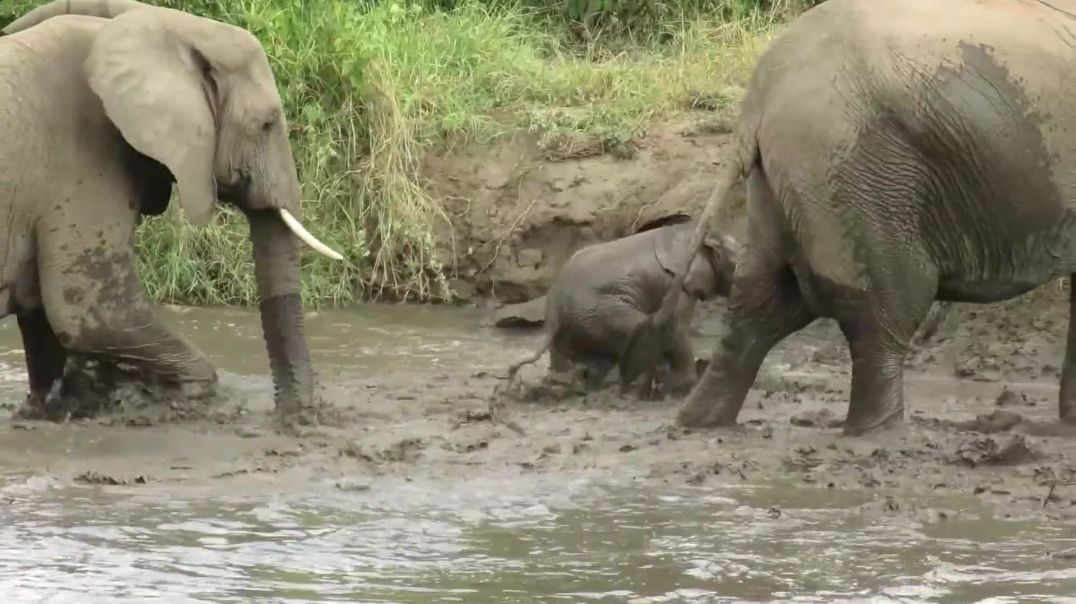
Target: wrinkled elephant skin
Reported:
[(896, 153)]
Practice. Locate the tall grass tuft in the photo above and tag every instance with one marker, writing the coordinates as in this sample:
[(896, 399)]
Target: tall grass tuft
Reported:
[(370, 86)]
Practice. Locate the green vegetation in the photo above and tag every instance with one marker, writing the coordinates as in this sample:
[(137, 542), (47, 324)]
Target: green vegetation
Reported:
[(369, 86)]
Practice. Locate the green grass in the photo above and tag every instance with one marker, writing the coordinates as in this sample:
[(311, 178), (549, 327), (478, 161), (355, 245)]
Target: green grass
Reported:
[(369, 87)]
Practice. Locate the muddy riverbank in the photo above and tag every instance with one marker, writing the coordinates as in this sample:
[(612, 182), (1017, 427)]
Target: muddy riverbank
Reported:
[(414, 387)]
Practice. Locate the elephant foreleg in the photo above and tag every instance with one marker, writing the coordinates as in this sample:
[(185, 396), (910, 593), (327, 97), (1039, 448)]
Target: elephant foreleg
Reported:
[(45, 359), (1067, 395)]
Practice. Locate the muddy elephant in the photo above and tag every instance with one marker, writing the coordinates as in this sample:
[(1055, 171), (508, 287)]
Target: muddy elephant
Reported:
[(896, 153), (104, 104), (605, 289)]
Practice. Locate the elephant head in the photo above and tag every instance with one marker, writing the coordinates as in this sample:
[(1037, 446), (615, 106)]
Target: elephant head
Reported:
[(198, 96), (711, 272)]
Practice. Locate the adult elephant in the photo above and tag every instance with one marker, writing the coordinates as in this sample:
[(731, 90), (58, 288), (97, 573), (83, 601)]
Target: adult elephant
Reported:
[(103, 105), (604, 290), (896, 152)]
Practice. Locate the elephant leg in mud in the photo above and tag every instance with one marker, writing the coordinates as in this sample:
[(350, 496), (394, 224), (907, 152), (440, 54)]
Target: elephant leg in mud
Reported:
[(675, 368), (879, 327), (765, 306), (1067, 394)]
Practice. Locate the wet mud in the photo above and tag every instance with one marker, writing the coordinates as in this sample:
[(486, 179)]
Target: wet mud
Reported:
[(420, 398)]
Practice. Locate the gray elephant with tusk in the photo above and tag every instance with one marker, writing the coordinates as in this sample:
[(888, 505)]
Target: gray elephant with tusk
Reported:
[(103, 105)]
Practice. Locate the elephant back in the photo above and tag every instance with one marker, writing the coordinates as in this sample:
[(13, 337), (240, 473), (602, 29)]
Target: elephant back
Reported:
[(670, 242)]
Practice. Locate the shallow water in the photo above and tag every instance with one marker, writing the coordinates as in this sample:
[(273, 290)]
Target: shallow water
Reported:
[(568, 537), (470, 544)]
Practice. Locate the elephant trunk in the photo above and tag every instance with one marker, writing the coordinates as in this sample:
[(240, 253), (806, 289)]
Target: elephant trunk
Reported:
[(276, 268)]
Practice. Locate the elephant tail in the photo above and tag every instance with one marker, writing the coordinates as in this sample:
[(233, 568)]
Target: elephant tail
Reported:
[(537, 354), (718, 201), (89, 8), (646, 343)]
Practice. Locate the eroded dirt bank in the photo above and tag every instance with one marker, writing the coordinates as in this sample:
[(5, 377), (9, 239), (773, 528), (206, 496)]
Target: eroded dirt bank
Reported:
[(519, 207), (415, 386)]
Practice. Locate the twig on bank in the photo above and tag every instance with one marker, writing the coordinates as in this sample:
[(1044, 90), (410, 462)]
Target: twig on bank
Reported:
[(506, 234), (1050, 493)]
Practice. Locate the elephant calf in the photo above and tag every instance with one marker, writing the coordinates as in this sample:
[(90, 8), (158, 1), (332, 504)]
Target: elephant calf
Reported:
[(604, 290)]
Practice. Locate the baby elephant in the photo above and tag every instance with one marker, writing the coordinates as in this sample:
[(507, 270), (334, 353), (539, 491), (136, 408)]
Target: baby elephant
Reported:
[(604, 290)]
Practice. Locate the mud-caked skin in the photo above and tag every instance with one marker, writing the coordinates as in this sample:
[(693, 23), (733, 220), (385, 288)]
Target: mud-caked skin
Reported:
[(897, 152), (604, 290), (104, 104)]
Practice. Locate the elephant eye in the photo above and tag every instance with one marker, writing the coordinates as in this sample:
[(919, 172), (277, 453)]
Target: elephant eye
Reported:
[(267, 125)]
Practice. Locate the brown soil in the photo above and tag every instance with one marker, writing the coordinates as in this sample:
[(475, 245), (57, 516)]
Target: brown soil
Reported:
[(519, 209), (980, 424)]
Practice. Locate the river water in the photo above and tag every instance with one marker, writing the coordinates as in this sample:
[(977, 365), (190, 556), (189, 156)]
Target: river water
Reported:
[(582, 537)]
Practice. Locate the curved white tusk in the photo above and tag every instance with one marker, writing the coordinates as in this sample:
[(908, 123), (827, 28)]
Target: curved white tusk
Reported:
[(307, 238)]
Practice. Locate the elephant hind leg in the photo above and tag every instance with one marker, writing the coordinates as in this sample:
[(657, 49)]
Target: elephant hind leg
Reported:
[(765, 306), (879, 325), (96, 305)]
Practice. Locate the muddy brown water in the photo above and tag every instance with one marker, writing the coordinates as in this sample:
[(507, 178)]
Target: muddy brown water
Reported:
[(418, 497)]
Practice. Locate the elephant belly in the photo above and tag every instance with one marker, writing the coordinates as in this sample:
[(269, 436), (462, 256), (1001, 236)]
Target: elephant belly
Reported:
[(1004, 269)]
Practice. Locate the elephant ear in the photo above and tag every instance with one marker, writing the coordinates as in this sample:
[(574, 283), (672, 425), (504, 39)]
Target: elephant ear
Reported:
[(155, 81), (671, 243)]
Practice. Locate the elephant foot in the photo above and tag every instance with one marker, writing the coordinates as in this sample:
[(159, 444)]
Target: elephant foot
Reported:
[(318, 413), (699, 414), (891, 418)]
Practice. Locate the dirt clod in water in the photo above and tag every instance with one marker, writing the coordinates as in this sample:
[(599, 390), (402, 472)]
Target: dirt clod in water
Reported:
[(995, 421), (998, 451), (91, 477), (405, 450), (820, 418)]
